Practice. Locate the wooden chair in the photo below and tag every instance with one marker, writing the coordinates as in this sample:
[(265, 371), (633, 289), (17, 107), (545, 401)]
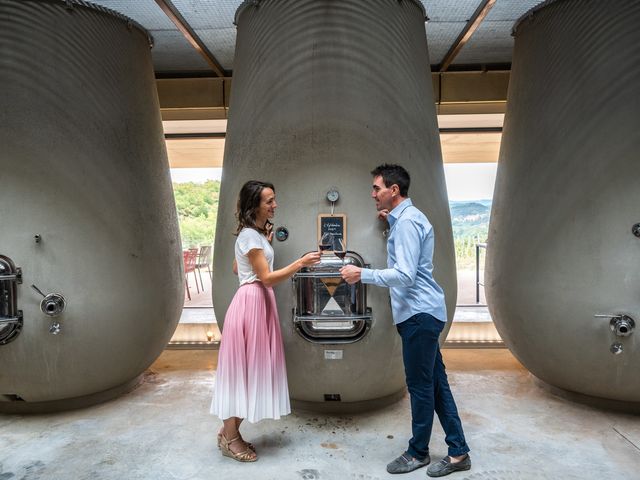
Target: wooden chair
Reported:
[(190, 258)]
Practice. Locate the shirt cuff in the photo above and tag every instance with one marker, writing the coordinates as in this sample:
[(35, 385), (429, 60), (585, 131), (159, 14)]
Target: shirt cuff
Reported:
[(366, 275)]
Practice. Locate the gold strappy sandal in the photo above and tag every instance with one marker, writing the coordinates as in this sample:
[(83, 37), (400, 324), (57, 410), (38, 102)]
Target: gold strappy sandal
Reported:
[(249, 444), (247, 455)]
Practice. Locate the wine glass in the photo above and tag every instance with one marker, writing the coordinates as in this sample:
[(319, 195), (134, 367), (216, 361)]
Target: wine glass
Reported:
[(339, 248), (326, 242)]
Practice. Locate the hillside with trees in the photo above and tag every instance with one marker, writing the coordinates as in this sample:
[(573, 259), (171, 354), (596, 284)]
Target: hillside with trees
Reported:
[(197, 205), (470, 222)]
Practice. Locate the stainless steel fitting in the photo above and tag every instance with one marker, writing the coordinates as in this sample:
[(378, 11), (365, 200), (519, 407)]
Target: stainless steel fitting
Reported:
[(622, 325), (53, 304)]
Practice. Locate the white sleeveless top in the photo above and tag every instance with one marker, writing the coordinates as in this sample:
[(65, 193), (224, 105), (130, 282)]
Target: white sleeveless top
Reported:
[(247, 240)]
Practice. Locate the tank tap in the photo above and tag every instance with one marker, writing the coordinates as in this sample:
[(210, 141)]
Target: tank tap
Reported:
[(622, 325), (52, 305)]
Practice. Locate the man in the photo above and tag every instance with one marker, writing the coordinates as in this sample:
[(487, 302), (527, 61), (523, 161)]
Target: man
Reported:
[(419, 313)]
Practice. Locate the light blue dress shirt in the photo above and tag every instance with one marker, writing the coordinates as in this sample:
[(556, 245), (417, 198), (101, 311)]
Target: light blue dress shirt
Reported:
[(409, 272)]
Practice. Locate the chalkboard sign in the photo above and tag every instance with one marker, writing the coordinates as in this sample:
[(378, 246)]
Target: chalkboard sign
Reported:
[(334, 224)]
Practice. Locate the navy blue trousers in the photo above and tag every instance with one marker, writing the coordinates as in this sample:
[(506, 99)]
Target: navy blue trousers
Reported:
[(428, 386)]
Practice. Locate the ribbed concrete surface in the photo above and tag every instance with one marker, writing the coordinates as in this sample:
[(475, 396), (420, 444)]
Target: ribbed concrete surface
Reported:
[(561, 248), (83, 166), (324, 91)]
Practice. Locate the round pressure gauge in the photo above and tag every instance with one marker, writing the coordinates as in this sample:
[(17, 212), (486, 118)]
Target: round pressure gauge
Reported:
[(333, 195)]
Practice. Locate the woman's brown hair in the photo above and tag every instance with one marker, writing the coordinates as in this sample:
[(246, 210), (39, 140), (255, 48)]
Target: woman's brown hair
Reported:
[(248, 204)]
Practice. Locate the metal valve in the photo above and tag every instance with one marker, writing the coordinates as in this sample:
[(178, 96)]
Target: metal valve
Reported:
[(53, 304), (622, 325)]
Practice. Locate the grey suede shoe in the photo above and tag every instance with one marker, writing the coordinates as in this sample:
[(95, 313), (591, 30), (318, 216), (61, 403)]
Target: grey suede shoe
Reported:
[(406, 463), (445, 467)]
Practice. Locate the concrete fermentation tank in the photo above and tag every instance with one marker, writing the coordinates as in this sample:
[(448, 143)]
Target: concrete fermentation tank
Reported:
[(563, 264), (323, 92), (87, 215)]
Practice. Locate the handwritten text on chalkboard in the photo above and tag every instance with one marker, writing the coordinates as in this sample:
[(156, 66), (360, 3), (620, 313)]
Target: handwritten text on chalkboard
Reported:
[(333, 224)]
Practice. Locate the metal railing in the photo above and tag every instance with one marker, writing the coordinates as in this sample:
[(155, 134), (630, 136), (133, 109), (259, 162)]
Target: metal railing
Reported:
[(478, 283)]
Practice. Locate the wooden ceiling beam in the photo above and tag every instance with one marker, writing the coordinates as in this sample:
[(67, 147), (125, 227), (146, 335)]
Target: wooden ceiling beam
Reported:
[(192, 37), (472, 25)]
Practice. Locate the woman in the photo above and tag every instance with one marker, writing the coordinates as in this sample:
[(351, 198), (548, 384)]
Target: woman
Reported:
[(251, 379)]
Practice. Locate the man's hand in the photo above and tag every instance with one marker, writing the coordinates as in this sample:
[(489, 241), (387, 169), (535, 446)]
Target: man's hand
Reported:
[(382, 214), (350, 274)]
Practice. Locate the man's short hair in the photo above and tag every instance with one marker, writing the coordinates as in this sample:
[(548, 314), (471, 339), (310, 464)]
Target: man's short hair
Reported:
[(393, 174)]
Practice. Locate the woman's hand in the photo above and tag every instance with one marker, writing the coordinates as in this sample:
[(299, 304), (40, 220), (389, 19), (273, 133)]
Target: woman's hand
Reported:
[(311, 258), (260, 266)]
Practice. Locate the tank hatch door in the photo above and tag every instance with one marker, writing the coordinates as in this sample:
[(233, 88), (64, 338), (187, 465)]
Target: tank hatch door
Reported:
[(328, 310), (10, 316)]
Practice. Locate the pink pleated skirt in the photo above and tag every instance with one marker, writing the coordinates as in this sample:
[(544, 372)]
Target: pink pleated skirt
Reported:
[(251, 379)]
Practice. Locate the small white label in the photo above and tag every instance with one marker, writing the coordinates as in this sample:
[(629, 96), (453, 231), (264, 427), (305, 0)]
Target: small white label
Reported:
[(333, 354)]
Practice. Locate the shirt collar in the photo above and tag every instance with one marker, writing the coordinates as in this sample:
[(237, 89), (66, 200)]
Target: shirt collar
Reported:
[(395, 214)]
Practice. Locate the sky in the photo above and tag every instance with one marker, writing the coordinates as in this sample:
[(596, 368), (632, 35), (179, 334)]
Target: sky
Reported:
[(196, 175), (465, 181), (470, 181)]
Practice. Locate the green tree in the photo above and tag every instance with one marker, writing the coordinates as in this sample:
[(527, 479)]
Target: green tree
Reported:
[(470, 222), (197, 205)]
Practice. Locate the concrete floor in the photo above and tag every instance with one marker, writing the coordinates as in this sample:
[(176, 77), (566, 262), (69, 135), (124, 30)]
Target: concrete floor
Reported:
[(162, 430)]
